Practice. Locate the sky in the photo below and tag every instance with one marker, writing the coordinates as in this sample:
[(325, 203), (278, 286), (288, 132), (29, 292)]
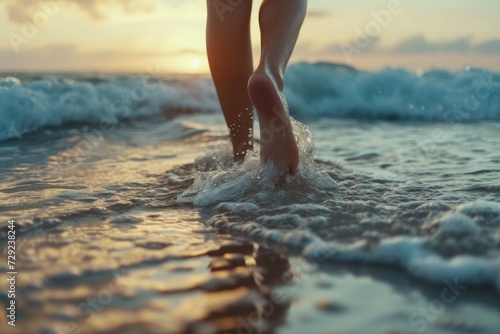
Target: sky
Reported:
[(169, 35)]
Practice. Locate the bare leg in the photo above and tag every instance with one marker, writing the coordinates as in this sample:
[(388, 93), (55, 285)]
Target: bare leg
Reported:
[(280, 23), (230, 57)]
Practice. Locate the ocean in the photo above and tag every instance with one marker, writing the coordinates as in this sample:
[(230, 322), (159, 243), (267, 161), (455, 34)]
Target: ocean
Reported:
[(130, 216)]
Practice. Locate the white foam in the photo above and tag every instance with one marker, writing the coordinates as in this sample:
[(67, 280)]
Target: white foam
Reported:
[(313, 91), (415, 254), (457, 225), (412, 254), (329, 90), (480, 209), (228, 206), (254, 181), (28, 105)]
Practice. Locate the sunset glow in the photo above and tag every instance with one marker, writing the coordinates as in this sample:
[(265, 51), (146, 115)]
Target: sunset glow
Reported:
[(129, 36)]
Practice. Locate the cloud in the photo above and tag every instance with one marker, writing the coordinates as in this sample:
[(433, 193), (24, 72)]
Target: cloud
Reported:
[(368, 46), (317, 14), (69, 57), (43, 56), (22, 11), (489, 47), (417, 45)]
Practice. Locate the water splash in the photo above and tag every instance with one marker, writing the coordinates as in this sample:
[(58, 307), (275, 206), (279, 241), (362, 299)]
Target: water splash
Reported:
[(255, 182)]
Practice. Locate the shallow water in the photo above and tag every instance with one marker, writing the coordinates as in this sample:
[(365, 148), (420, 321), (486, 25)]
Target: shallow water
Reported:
[(149, 271), (428, 206), (104, 246)]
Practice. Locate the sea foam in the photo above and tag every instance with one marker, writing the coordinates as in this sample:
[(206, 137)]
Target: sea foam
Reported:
[(256, 181), (412, 253), (28, 103), (330, 90), (32, 103)]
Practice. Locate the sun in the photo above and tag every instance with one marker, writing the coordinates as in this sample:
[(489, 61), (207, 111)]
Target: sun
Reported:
[(195, 63)]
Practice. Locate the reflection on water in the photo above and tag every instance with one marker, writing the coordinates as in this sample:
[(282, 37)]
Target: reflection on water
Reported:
[(103, 246), (241, 300), (147, 272)]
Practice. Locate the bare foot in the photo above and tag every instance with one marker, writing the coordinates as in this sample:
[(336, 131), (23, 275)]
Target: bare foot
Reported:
[(278, 143)]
